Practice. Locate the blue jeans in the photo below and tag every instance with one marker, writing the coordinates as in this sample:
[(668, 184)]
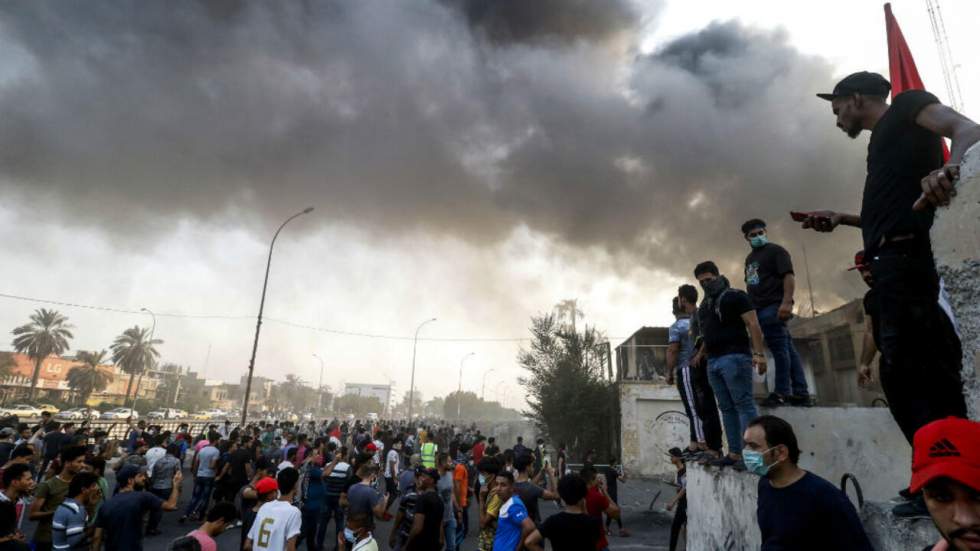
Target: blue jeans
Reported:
[(731, 379), (450, 526), (201, 495), (331, 509), (790, 379)]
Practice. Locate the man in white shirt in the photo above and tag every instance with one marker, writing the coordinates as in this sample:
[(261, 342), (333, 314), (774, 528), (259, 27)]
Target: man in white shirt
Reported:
[(360, 526), (289, 462), (155, 453), (392, 464), (277, 523)]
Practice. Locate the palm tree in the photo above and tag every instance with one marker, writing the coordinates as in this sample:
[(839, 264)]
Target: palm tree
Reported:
[(568, 308), (47, 333), (134, 352), (88, 378)]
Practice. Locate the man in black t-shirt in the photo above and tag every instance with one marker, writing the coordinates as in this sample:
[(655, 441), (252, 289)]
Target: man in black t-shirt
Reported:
[(906, 179), (571, 529), (770, 283), (726, 320), (426, 532)]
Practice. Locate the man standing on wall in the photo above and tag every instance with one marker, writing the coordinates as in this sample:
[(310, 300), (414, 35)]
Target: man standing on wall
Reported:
[(770, 283)]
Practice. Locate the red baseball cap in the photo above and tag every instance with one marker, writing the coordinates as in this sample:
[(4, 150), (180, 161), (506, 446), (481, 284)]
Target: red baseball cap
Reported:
[(947, 448), (266, 485), (370, 447), (858, 262)]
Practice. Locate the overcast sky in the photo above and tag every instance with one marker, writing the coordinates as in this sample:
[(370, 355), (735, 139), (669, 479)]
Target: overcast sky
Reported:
[(468, 160)]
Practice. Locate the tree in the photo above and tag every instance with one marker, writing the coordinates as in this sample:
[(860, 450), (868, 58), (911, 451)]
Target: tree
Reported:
[(134, 353), (87, 378), (568, 398), (472, 408), (7, 364), (47, 333), (568, 309), (295, 395), (434, 407), (401, 409)]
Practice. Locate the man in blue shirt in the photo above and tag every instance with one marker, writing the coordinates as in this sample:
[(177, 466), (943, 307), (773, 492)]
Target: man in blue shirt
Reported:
[(513, 523), (797, 509), (70, 518)]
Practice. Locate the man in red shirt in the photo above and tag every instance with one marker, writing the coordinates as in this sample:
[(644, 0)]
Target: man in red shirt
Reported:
[(478, 449), (597, 503)]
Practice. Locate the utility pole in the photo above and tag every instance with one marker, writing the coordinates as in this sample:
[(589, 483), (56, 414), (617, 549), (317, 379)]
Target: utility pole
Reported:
[(411, 388), (459, 389)]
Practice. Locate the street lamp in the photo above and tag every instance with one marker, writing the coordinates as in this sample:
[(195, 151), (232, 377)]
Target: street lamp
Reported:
[(483, 388), (319, 399), (459, 389), (153, 330), (411, 388), (258, 324)]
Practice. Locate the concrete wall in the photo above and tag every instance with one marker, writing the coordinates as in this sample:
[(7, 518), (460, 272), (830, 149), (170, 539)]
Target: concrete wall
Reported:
[(653, 421), (722, 516), (865, 442), (956, 245)]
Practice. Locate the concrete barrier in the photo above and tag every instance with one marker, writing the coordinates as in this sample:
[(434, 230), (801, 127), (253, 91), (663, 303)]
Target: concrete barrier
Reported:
[(956, 247)]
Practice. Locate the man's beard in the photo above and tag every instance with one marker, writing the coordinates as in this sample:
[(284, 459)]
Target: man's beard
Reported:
[(854, 131), (139, 487)]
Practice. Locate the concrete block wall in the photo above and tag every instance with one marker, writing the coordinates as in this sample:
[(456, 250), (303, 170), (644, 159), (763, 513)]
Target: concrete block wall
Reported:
[(721, 508), (653, 421), (956, 246)]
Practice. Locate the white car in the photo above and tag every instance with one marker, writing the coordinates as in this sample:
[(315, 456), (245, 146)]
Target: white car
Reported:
[(120, 413), (21, 410), (166, 413), (75, 414)]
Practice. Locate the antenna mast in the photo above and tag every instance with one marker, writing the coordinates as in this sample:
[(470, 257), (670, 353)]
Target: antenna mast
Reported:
[(945, 54)]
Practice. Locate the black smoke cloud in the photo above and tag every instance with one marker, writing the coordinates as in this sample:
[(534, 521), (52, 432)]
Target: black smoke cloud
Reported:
[(520, 21), (403, 117)]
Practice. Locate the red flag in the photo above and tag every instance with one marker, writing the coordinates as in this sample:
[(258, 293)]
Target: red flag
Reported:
[(901, 66)]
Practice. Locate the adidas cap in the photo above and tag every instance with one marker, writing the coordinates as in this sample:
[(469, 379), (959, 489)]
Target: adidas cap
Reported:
[(946, 448)]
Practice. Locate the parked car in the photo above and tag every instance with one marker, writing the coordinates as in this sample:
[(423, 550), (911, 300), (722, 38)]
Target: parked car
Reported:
[(166, 413), (49, 408), (202, 415), (21, 410), (120, 413), (75, 414)]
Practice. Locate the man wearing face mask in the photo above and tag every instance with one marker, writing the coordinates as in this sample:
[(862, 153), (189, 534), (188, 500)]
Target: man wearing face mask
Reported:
[(797, 509), (357, 535), (770, 283), (727, 321)]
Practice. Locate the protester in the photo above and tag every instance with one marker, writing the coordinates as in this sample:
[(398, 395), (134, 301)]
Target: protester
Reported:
[(203, 467), (727, 322), (528, 490), (489, 501), (71, 517), (261, 491), (680, 349), (120, 522), (358, 536), (52, 492), (461, 491), (405, 516), (907, 178), (770, 284), (362, 497), (312, 498), (571, 529), (796, 507), (946, 470), (278, 523), (700, 393), (427, 532), (613, 473), (428, 452), (597, 503), (335, 477), (218, 519), (445, 487), (161, 476), (513, 523), (19, 485), (10, 538), (679, 501)]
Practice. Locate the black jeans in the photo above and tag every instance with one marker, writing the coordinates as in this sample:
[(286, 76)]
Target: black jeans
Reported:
[(921, 355), (706, 409), (154, 521), (680, 519), (308, 530), (331, 510)]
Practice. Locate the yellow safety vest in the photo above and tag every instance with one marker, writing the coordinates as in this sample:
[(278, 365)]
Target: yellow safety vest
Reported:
[(429, 455)]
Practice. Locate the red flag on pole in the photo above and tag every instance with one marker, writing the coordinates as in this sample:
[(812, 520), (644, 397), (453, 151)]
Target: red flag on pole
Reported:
[(901, 66)]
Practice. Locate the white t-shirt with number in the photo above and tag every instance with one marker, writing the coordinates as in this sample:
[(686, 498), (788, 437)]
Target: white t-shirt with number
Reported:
[(392, 459), (276, 522)]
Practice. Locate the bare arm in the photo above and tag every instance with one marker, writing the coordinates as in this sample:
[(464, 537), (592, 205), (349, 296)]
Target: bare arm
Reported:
[(97, 540), (937, 187), (36, 513), (527, 528), (533, 542), (673, 349), (789, 288), (827, 220), (758, 349), (171, 503), (868, 352), (291, 543)]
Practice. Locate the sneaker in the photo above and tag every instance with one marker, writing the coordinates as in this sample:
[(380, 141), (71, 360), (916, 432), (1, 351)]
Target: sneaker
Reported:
[(706, 457), (726, 461), (802, 400), (773, 401), (688, 454), (915, 508)]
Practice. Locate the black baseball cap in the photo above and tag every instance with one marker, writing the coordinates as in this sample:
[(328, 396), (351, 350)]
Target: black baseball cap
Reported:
[(864, 82)]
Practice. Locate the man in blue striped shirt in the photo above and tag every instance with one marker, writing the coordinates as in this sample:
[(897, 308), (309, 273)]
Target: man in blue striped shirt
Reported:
[(68, 524)]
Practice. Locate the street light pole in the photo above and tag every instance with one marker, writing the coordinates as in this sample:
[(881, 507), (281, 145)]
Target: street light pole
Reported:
[(411, 388), (258, 324), (459, 389), (153, 330), (319, 389), (483, 388)]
